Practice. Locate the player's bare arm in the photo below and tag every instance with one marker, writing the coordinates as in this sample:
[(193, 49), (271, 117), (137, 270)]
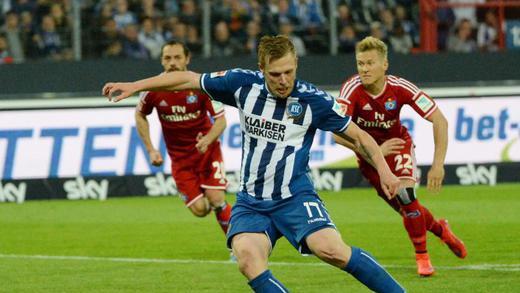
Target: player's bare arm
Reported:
[(143, 130), (344, 142), (203, 141), (391, 146), (368, 146), (171, 81), (440, 139)]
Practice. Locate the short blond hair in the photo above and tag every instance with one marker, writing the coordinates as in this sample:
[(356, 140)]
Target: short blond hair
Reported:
[(273, 48), (371, 43)]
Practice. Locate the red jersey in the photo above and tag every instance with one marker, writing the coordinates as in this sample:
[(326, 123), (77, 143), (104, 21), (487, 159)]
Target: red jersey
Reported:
[(183, 114), (379, 115)]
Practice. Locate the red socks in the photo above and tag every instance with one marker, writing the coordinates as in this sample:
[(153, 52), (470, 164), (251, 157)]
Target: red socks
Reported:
[(223, 214), (415, 225), (431, 224)]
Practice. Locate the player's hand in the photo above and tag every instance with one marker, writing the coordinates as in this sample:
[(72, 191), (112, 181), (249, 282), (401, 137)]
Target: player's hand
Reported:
[(390, 184), (435, 178), (392, 146), (117, 91), (156, 158), (202, 143)]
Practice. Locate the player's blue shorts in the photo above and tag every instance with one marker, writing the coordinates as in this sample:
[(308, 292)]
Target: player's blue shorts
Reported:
[(295, 218)]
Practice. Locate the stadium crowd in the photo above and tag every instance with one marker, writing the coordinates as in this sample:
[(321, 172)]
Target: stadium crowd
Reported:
[(42, 29)]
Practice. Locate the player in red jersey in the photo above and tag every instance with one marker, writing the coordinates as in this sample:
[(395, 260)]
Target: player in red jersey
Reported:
[(374, 101), (191, 139)]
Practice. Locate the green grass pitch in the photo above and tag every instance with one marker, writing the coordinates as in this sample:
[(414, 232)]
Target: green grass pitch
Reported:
[(144, 244)]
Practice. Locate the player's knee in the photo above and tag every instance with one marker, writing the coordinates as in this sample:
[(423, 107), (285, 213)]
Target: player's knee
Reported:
[(215, 197), (251, 261), (406, 195), (333, 253), (200, 208)]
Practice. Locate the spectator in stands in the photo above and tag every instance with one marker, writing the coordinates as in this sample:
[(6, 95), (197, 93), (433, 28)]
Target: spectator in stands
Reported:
[(220, 10), (347, 40), (287, 29), (364, 13), (445, 21), (114, 50), (487, 34), (106, 13), (123, 16), (20, 6), (262, 13), (223, 45), (239, 17), (27, 31), (108, 36), (48, 40), (171, 7), (400, 41), (13, 35), (193, 40), (63, 27), (132, 48), (462, 41), (5, 55), (401, 15), (467, 12), (282, 14), (344, 18), (178, 31), (387, 22), (376, 31), (252, 38), (189, 13), (309, 13), (150, 38), (148, 10), (310, 24)]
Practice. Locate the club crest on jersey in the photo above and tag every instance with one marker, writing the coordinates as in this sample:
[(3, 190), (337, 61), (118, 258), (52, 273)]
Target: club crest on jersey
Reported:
[(294, 109), (391, 104), (340, 108), (217, 74), (192, 99)]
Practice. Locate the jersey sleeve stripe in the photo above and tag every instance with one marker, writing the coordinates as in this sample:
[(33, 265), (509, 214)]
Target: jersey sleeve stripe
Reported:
[(346, 124), (398, 84), (431, 111), (347, 86), (411, 85), (350, 90), (404, 83)]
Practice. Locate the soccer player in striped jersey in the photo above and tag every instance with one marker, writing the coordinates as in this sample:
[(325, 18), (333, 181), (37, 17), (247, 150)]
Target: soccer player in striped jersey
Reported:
[(374, 101), (279, 116), (191, 139)]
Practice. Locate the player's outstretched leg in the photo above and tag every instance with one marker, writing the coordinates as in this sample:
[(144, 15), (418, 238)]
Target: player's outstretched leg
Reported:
[(329, 247), (252, 252), (454, 243), (415, 225)]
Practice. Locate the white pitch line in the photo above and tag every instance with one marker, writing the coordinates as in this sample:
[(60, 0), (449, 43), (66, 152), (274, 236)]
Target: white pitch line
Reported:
[(473, 267)]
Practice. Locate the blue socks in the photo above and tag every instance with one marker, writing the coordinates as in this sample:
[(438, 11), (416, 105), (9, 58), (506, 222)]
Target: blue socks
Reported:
[(366, 270), (267, 283), (361, 266)]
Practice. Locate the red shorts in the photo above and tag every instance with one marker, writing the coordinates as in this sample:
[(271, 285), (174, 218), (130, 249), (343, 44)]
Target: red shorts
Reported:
[(194, 172), (403, 165)]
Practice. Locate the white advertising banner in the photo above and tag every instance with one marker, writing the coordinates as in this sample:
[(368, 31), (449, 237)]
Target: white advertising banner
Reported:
[(104, 141)]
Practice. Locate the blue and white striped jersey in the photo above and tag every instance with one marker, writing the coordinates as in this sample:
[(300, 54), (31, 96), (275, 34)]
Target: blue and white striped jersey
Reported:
[(277, 133)]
